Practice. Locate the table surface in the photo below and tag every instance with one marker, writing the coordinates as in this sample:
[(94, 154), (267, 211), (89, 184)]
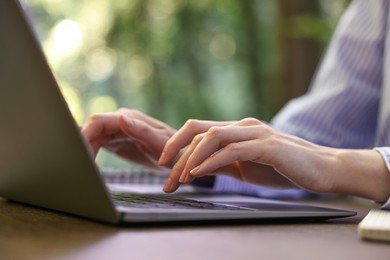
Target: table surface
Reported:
[(33, 233)]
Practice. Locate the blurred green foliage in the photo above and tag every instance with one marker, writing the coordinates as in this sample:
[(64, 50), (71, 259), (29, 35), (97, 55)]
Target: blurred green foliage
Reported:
[(173, 59)]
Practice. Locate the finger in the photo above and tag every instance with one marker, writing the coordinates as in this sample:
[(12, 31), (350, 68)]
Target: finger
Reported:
[(129, 150), (184, 136), (137, 129), (107, 123), (150, 138), (136, 114), (249, 121), (215, 139), (100, 124), (242, 151), (173, 181), (101, 129), (97, 143), (185, 176)]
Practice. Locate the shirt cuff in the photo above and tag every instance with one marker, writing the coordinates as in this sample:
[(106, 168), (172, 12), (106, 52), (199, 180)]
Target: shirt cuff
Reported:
[(385, 152)]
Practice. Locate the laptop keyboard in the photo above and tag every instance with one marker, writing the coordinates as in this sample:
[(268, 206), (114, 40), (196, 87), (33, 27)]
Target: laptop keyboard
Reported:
[(165, 202)]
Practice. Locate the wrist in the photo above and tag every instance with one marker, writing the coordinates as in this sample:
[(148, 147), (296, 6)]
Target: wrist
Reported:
[(362, 173)]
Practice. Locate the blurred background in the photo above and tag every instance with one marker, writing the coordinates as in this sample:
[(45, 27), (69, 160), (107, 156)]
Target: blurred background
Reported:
[(180, 59)]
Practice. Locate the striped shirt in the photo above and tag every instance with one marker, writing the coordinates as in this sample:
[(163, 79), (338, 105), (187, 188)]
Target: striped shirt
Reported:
[(347, 105)]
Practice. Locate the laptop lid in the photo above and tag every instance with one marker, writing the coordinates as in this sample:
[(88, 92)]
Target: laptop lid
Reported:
[(43, 160)]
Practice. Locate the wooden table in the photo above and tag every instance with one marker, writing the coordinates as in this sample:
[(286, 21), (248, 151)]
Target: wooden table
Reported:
[(32, 233)]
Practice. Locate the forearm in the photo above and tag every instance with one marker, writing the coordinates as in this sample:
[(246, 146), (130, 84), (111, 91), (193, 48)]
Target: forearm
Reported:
[(362, 173)]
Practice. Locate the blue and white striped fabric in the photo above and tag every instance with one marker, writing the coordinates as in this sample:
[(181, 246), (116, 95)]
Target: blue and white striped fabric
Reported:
[(348, 104)]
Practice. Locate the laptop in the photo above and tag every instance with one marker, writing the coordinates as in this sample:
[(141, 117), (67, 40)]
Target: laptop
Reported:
[(45, 162)]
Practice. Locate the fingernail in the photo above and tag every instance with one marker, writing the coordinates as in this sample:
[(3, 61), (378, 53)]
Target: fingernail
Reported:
[(194, 171), (168, 185), (129, 122), (162, 159), (183, 178)]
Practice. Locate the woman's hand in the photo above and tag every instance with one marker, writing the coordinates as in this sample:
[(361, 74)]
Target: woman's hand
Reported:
[(195, 135), (255, 152), (128, 133)]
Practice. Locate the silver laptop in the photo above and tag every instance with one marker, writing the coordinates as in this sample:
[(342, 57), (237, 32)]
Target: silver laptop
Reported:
[(44, 161)]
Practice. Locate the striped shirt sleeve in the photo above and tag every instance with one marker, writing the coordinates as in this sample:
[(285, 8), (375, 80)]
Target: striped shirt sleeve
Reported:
[(341, 108)]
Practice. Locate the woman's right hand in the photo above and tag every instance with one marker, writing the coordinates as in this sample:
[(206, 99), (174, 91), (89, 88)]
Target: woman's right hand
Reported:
[(128, 133)]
